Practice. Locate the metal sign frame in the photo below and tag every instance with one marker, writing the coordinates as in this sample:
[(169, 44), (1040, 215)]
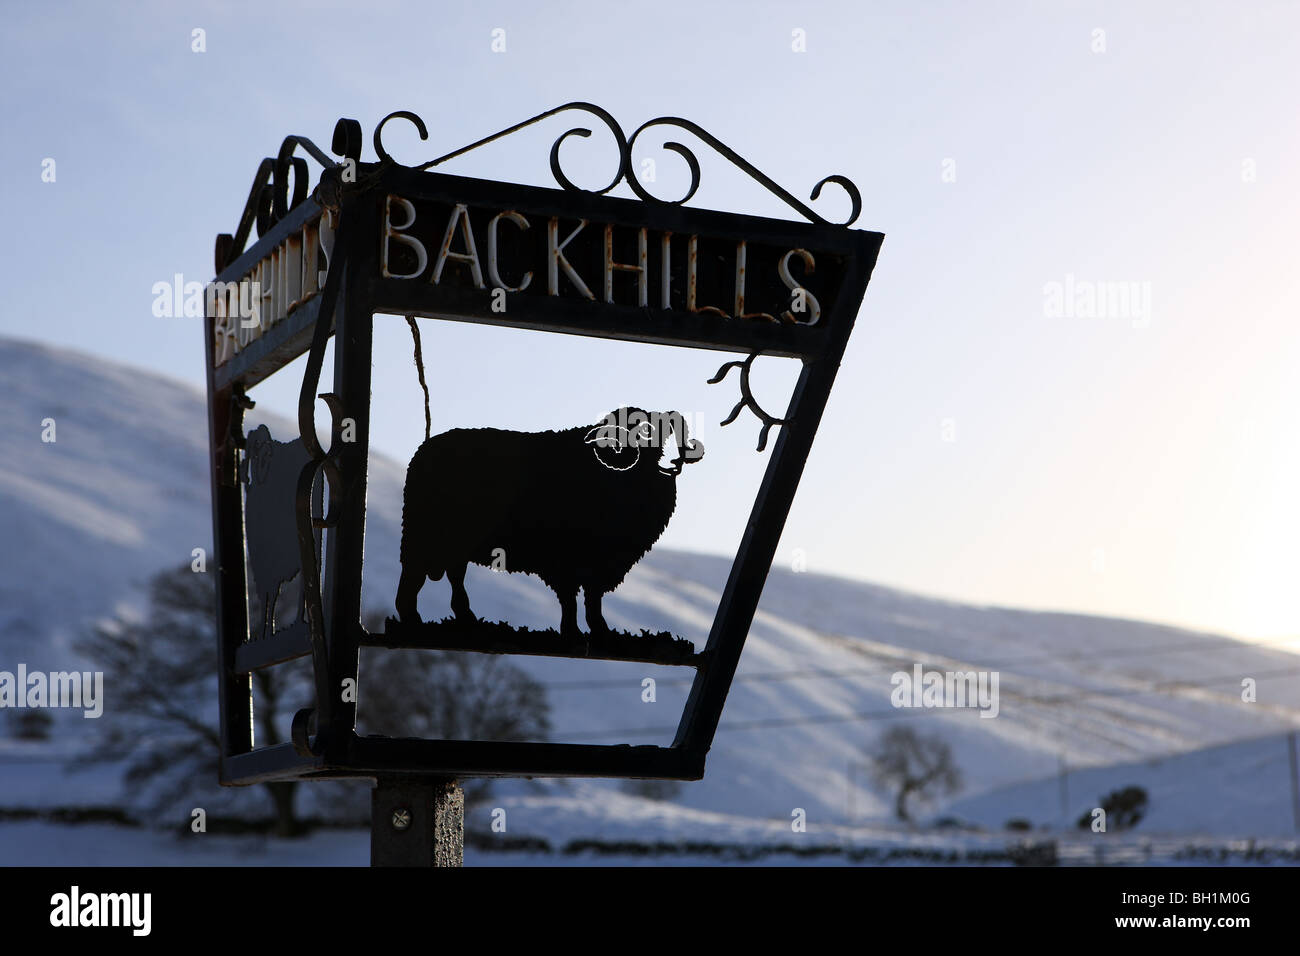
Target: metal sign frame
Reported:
[(325, 742)]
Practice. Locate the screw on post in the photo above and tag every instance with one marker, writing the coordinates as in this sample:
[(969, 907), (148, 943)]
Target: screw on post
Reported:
[(417, 821)]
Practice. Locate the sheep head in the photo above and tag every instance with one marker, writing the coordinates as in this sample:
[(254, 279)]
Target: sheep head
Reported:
[(618, 441), (258, 449)]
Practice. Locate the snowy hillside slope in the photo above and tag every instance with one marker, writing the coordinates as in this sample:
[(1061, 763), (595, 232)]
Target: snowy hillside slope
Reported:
[(123, 492), (1230, 790)]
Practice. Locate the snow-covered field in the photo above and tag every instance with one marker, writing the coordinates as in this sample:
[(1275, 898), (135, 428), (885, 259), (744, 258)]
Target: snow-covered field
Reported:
[(123, 493)]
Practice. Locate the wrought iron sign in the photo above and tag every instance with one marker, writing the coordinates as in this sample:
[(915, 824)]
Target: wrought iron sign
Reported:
[(385, 238)]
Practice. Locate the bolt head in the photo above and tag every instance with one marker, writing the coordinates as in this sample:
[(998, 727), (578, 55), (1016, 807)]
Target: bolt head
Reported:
[(401, 818)]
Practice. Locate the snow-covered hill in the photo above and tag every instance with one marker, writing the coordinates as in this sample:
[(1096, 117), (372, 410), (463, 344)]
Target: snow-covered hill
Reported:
[(123, 492), (1235, 789)]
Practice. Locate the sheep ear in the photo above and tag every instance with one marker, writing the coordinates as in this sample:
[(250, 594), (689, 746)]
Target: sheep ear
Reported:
[(610, 446)]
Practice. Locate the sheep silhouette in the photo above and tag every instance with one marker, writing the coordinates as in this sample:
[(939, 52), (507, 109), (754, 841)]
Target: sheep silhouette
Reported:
[(271, 471), (578, 507)]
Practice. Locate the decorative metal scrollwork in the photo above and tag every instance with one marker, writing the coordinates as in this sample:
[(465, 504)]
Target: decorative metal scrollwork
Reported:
[(378, 138), (556, 169), (727, 153), (625, 145), (747, 399), (307, 721), (268, 198)]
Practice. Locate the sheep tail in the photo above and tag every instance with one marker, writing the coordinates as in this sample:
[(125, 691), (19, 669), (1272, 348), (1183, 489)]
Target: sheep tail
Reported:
[(417, 517), (414, 551)]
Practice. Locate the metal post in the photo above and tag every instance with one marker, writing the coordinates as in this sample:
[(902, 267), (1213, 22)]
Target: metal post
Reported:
[(1295, 779), (417, 822), (1064, 788)]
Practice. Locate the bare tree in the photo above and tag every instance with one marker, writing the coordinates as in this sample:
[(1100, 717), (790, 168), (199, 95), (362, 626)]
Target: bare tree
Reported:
[(162, 721), (1124, 808), (450, 696), (31, 724), (913, 764), (163, 675)]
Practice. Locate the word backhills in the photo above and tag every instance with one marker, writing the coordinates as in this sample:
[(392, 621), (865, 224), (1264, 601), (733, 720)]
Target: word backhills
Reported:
[(459, 247), (923, 688), (36, 689), (75, 908)]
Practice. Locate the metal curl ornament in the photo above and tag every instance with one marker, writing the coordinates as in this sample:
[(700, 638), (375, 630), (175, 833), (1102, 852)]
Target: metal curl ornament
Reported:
[(855, 197), (347, 139), (378, 138), (685, 153), (747, 399), (285, 161), (280, 203), (268, 197), (729, 154), (603, 115)]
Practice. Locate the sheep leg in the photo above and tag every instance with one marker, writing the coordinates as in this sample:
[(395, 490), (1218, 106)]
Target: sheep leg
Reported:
[(568, 610), (595, 620), (408, 589), (459, 598)]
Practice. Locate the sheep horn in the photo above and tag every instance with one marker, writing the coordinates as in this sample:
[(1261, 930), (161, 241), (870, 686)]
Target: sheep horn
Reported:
[(611, 446)]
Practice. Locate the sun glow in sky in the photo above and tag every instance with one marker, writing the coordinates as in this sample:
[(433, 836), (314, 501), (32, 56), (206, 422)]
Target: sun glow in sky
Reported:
[(980, 444)]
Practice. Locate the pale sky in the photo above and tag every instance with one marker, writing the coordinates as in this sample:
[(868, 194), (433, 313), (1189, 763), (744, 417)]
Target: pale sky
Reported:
[(979, 445)]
